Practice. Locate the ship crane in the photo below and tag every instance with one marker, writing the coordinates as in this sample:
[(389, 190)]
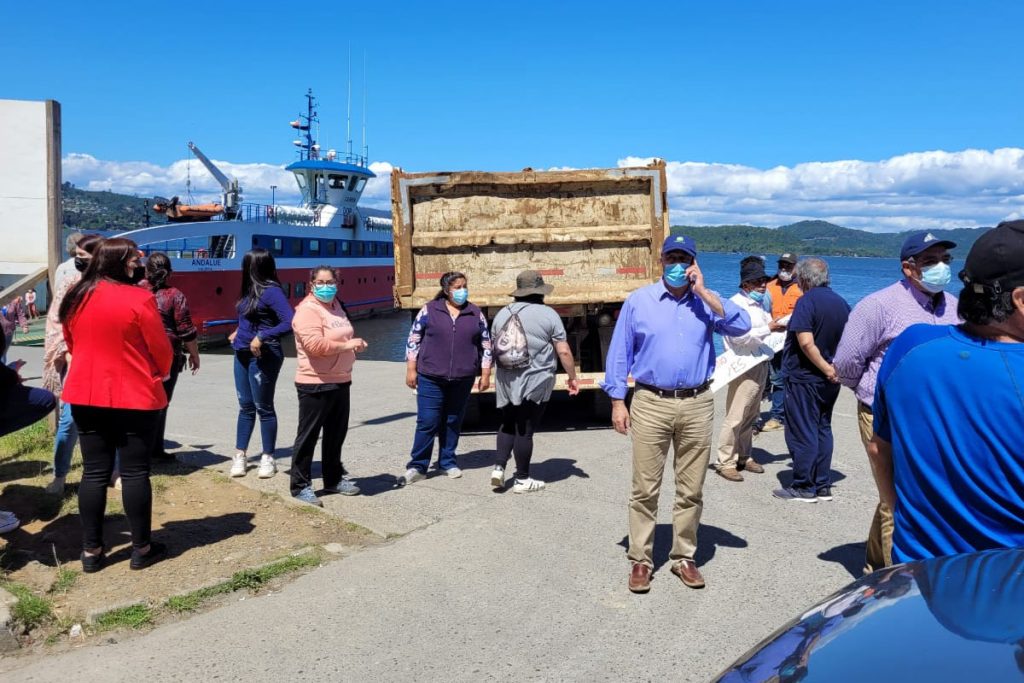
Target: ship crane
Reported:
[(232, 192)]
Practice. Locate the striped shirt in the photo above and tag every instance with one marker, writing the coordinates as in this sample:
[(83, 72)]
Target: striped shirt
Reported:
[(876, 321)]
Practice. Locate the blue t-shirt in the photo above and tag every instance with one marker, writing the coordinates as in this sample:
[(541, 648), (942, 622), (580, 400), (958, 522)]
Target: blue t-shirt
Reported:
[(952, 406), (823, 313)]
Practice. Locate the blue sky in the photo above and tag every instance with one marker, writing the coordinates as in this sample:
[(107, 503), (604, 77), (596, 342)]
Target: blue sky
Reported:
[(738, 87)]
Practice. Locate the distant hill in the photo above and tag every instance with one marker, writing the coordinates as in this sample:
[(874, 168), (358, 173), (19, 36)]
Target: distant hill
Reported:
[(819, 238), (105, 210)]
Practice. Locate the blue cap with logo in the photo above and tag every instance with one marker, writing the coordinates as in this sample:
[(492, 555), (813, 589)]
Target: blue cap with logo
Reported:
[(680, 243), (920, 241)]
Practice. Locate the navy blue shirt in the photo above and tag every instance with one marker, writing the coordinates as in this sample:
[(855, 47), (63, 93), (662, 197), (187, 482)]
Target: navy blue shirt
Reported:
[(823, 313), (271, 319), (952, 406)]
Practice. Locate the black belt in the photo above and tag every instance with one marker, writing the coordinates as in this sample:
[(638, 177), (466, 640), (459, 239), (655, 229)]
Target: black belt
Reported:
[(675, 393)]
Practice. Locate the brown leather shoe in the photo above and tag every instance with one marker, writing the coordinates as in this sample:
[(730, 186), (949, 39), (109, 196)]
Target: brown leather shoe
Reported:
[(688, 573), (729, 473), (640, 578), (751, 465)]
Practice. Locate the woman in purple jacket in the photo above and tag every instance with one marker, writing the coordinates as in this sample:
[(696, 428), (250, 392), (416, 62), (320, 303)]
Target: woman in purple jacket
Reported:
[(449, 345), (264, 316)]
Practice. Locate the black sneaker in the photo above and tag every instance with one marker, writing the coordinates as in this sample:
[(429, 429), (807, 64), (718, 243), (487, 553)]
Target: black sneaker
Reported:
[(93, 563), (825, 493), (155, 554)]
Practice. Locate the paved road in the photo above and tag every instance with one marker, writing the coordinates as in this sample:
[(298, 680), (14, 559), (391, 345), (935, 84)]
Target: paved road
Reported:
[(483, 586)]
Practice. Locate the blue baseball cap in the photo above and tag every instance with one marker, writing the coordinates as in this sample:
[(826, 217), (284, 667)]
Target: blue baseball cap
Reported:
[(920, 241), (680, 243)]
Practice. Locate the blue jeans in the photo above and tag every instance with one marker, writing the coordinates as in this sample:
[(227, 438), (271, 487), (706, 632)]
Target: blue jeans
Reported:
[(255, 381), (64, 442), (440, 406), (25, 406), (777, 382)]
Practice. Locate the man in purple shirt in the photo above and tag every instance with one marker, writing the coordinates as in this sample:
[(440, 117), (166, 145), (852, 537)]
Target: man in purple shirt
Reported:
[(663, 338), (874, 323)]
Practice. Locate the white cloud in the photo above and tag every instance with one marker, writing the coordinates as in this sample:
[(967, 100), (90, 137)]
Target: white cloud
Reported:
[(919, 190), (147, 179)]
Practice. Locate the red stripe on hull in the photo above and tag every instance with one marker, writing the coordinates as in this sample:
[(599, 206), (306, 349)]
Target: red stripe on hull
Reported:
[(212, 294)]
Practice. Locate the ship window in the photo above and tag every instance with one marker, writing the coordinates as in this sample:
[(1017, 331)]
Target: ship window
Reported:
[(287, 290), (296, 247), (360, 184), (332, 248), (314, 247), (358, 249), (371, 248), (337, 182), (278, 246), (300, 289), (346, 246)]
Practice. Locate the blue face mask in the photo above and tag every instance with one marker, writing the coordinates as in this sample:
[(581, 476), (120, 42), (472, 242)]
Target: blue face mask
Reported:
[(756, 296), (460, 296), (935, 278), (675, 274), (325, 293)]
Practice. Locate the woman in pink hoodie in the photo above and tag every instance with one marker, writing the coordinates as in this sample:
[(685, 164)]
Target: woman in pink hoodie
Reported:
[(327, 347)]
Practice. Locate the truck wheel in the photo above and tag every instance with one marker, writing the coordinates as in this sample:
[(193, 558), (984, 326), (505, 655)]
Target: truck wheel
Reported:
[(602, 406)]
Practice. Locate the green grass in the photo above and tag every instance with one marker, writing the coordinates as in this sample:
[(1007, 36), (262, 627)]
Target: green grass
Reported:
[(30, 609), (33, 440), (247, 579), (66, 578), (132, 616)]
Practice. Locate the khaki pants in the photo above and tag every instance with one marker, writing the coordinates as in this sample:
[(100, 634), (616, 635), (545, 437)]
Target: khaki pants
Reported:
[(879, 549), (742, 406), (656, 423)]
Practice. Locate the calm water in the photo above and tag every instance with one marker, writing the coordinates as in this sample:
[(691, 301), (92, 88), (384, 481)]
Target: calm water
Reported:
[(852, 278)]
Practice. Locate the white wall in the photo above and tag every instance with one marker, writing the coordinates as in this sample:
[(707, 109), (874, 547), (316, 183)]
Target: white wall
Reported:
[(29, 185)]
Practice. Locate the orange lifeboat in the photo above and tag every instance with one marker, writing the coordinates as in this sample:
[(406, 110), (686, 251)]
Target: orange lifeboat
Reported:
[(187, 213)]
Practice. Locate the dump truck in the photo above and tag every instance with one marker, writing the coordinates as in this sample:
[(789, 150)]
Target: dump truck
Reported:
[(595, 234)]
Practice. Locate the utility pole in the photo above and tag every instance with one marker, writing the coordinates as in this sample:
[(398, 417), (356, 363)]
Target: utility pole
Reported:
[(273, 191)]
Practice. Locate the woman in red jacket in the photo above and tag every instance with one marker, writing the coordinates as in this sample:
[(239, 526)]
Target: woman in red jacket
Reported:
[(120, 357)]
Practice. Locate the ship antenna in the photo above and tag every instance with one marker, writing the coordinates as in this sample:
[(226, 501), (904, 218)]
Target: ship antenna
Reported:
[(366, 151), (348, 118)]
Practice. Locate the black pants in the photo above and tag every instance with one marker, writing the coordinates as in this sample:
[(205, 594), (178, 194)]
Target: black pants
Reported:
[(323, 407), (161, 422), (106, 433), (518, 423)]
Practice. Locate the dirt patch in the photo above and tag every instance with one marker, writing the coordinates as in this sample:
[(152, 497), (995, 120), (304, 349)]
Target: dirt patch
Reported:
[(213, 529)]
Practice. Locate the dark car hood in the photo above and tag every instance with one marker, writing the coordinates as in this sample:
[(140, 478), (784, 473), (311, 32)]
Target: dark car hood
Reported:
[(956, 618)]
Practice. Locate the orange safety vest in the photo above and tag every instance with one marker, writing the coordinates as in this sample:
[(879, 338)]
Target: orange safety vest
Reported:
[(783, 301)]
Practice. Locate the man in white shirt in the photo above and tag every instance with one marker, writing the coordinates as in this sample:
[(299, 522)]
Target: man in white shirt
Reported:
[(743, 397)]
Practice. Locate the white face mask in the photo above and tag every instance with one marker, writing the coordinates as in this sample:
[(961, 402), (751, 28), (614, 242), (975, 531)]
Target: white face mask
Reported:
[(785, 275)]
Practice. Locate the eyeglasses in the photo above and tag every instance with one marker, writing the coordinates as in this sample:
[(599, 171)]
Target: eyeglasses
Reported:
[(932, 260), (325, 282)]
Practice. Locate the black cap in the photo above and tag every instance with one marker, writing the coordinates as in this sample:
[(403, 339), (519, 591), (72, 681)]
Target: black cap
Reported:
[(788, 257), (996, 260), (752, 270)]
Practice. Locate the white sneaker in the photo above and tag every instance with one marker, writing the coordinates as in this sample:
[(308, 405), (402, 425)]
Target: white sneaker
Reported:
[(453, 472), (55, 487), (238, 465), (527, 486), (268, 467), (412, 474), (498, 477)]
